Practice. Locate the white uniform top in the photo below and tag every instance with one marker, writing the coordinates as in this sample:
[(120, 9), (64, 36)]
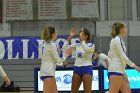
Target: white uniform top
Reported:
[(83, 53), (118, 56), (49, 58), (2, 73), (102, 58)]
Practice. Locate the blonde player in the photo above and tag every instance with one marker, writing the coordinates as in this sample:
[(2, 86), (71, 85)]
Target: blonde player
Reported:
[(5, 77), (49, 58), (83, 63), (119, 59), (102, 59)]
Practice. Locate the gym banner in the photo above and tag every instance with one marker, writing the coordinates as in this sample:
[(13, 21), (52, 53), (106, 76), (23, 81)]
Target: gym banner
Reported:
[(18, 9), (52, 9), (27, 47), (85, 8)]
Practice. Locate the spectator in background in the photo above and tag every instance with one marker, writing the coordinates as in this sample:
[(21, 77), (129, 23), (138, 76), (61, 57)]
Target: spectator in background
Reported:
[(101, 59)]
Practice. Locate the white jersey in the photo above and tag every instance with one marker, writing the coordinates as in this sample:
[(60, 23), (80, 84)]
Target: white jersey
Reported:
[(102, 58), (49, 59), (118, 56), (83, 53), (2, 73)]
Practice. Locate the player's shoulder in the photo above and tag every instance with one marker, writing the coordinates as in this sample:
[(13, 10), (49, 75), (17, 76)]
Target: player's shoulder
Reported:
[(52, 44), (115, 39), (102, 54), (76, 44), (90, 44)]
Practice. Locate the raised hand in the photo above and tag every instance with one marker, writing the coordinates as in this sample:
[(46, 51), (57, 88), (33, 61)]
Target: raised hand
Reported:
[(72, 32)]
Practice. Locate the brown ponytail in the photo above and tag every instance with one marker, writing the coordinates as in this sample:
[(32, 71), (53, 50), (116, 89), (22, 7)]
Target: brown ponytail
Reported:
[(87, 33), (116, 29)]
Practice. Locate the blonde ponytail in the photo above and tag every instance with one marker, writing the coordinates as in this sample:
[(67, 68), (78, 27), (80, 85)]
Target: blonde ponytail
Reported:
[(113, 33), (47, 33)]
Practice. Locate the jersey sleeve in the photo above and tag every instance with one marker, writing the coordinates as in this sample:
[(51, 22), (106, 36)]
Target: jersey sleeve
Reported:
[(55, 54), (103, 56), (66, 45), (122, 54), (88, 48)]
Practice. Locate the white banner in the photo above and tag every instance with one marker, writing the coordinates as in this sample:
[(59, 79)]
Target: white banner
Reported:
[(85, 8), (17, 9), (64, 79), (52, 9)]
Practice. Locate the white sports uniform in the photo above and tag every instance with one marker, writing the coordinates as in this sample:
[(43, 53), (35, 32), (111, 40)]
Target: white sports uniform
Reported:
[(118, 57), (2, 73), (83, 53), (49, 59), (102, 58)]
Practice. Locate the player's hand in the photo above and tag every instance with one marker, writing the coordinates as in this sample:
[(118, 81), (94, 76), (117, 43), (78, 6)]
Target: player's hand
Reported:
[(69, 51), (65, 63), (137, 68), (72, 32), (8, 82)]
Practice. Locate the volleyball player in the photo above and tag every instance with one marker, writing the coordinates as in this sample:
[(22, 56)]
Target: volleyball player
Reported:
[(102, 59), (83, 63), (118, 59), (49, 58)]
